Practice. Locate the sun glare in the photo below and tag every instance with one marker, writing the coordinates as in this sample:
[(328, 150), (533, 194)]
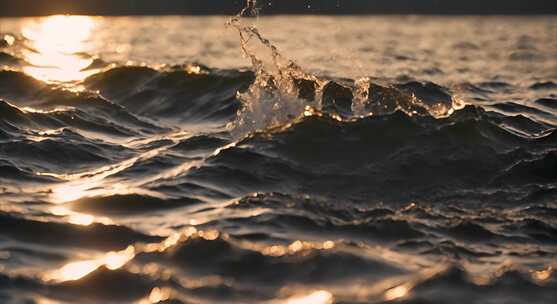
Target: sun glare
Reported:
[(396, 292), (77, 270), (57, 47), (316, 297)]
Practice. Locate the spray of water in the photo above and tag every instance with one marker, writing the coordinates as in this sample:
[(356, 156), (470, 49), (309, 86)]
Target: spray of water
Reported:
[(279, 92), (272, 99)]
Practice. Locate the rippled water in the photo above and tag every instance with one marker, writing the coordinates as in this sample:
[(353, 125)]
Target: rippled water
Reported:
[(402, 159)]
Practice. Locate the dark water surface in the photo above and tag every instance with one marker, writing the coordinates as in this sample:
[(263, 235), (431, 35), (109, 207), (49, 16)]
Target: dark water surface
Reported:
[(411, 160)]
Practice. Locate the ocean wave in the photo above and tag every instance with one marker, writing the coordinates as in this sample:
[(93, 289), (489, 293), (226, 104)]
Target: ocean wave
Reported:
[(128, 204), (184, 183), (180, 93), (110, 237)]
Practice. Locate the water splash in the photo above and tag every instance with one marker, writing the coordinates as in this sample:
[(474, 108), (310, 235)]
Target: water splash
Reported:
[(283, 90), (272, 99), (361, 95)]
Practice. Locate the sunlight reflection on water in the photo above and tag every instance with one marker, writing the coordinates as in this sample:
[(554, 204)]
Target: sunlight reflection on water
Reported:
[(57, 47), (77, 270), (396, 292), (317, 297), (77, 218)]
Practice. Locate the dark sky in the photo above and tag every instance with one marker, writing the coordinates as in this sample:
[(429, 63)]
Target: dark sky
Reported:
[(228, 7)]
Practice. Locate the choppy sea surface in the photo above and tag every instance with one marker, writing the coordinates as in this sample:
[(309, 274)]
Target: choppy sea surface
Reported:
[(314, 160)]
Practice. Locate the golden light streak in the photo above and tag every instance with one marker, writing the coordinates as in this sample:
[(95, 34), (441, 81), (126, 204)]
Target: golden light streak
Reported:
[(77, 218), (543, 275), (158, 295), (57, 45), (77, 270), (397, 292), (316, 297)]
